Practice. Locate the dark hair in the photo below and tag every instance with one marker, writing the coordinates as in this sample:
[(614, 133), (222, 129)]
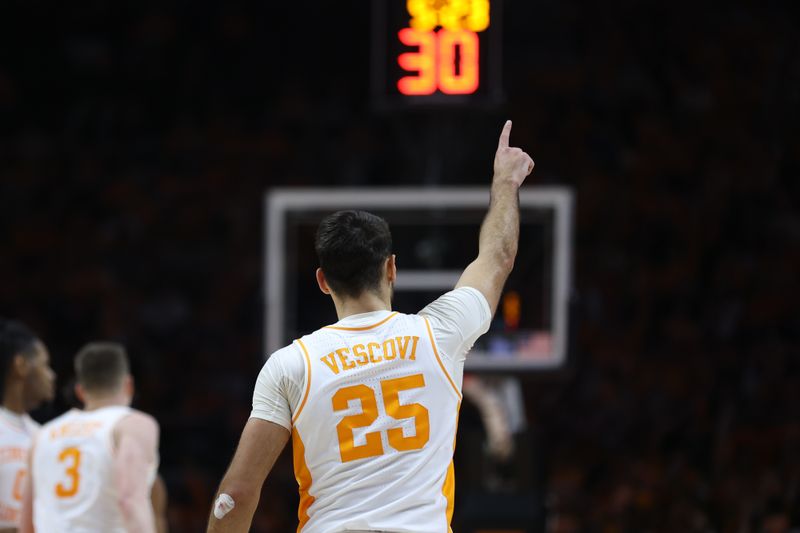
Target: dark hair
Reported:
[(101, 366), (352, 247), (15, 339)]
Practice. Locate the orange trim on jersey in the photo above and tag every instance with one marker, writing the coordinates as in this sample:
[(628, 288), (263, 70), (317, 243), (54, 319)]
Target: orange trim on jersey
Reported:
[(9, 425), (449, 492), (449, 485), (364, 328), (439, 359), (308, 380), (303, 476)]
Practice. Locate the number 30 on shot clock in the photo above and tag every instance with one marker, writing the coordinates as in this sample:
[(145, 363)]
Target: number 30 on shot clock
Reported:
[(438, 52)]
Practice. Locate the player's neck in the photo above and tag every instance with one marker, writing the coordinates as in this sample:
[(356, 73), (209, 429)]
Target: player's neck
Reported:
[(93, 403), (12, 397), (366, 303)]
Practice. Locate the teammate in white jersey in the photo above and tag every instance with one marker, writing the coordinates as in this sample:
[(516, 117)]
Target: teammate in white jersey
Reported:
[(371, 402), (27, 381), (92, 469)]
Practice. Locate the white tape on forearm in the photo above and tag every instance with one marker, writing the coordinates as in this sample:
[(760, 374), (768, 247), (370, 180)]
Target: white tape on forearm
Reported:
[(223, 506)]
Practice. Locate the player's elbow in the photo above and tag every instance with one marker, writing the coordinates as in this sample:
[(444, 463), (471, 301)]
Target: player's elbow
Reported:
[(504, 259), (507, 261), (499, 258), (243, 494)]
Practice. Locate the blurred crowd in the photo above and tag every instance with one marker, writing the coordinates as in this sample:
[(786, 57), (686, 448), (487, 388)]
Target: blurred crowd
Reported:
[(136, 143)]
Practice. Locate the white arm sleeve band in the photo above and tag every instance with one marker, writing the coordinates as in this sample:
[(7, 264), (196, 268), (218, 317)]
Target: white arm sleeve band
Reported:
[(458, 318), (279, 387)]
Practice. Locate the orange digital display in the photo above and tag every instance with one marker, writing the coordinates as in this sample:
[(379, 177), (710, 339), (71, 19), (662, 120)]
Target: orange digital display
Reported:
[(445, 34), (436, 53), (436, 63)]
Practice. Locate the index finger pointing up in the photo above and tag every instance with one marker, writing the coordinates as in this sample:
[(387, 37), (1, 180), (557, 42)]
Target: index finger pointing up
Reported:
[(505, 135)]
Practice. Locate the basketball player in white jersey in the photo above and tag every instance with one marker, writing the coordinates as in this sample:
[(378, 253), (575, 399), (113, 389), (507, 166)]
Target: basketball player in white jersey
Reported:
[(27, 381), (371, 402), (92, 469)]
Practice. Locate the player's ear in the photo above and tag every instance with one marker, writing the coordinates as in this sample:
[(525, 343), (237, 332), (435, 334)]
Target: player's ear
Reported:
[(128, 386), (80, 394), (391, 269), (322, 282), (20, 365)]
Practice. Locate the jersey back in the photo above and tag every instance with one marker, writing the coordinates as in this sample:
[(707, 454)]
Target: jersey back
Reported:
[(374, 434), (16, 433), (73, 482)]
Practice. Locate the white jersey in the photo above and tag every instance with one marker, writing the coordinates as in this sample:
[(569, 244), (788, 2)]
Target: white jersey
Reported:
[(372, 404), (73, 461), (376, 429), (16, 434)]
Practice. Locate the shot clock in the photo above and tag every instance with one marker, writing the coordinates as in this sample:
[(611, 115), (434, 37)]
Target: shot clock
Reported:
[(436, 53)]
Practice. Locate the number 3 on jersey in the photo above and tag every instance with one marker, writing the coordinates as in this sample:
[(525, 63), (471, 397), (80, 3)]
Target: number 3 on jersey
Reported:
[(369, 413), (71, 457)]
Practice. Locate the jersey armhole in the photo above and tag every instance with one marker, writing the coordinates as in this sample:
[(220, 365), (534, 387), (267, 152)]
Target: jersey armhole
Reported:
[(307, 380), (439, 359)]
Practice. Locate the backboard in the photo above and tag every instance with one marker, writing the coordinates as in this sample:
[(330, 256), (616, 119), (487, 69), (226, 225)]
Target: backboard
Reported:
[(435, 235)]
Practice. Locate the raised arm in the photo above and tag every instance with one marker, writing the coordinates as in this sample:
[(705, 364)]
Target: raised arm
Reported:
[(135, 458), (497, 247)]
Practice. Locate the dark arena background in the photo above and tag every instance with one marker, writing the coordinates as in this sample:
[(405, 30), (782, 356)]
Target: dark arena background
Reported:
[(138, 141)]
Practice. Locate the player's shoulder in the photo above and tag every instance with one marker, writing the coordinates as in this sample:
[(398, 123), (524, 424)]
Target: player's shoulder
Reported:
[(311, 342), (408, 320), (139, 419), (286, 361), (60, 419), (456, 302), (139, 424), (287, 352)]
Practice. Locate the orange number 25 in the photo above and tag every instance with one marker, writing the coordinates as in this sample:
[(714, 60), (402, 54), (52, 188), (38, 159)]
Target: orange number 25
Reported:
[(73, 455), (369, 413)]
